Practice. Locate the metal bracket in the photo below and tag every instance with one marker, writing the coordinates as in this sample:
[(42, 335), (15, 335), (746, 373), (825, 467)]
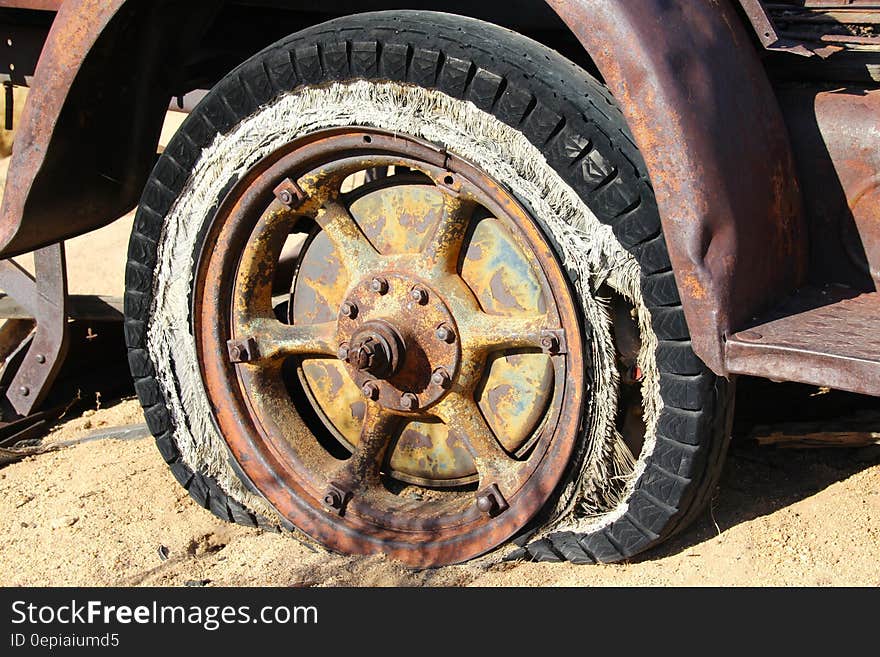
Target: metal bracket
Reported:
[(336, 498), (553, 342), (242, 351), (45, 297), (289, 194), (491, 501)]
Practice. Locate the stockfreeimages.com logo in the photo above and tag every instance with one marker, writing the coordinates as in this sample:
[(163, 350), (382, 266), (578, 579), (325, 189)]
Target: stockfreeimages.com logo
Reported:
[(209, 617)]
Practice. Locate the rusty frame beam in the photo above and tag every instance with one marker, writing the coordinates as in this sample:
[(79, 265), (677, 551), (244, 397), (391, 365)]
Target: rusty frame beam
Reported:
[(45, 297)]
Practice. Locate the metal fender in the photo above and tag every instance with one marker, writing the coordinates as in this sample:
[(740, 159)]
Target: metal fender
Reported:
[(87, 138), (702, 111)]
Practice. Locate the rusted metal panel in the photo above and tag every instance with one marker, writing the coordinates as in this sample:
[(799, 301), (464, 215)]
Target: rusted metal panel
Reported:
[(704, 115), (99, 97), (836, 141), (827, 336), (75, 31), (41, 5)]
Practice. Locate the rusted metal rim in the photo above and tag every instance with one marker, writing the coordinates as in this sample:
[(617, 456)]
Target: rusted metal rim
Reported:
[(410, 334)]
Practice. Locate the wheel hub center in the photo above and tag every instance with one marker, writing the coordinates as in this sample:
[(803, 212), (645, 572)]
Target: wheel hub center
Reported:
[(399, 341), (376, 350)]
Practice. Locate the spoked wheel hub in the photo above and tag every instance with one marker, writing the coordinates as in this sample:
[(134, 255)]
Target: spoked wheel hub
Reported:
[(424, 394), (400, 342)]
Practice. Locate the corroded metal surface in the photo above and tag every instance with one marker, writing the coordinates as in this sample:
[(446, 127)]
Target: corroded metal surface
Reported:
[(837, 152), (87, 142), (516, 388), (388, 495), (77, 27), (705, 118), (45, 298), (826, 336)]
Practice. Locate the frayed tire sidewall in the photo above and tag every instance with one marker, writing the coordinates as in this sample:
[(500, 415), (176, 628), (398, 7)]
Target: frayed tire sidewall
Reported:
[(582, 135)]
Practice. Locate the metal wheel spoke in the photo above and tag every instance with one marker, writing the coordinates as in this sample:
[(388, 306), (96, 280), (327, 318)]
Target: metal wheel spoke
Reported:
[(256, 270), (447, 241), (465, 421), (488, 333), (341, 228), (364, 465), (268, 340)]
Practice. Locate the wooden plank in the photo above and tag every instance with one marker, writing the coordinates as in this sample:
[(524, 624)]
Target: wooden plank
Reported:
[(859, 430)]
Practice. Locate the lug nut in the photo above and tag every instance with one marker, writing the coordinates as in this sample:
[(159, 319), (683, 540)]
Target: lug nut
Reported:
[(370, 390), (550, 344), (379, 286), (486, 504), (342, 353), (242, 351), (445, 334), (349, 310), (441, 378), (336, 498), (419, 295), (409, 402), (490, 501), (289, 193)]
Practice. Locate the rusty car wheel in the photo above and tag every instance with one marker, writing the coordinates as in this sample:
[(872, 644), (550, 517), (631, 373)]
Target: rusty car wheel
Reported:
[(425, 397), (402, 295)]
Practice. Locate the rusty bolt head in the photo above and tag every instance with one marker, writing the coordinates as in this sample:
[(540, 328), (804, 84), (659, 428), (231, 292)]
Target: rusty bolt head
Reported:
[(550, 344), (445, 334), (349, 310), (491, 501), (336, 498), (441, 378), (342, 352), (379, 285), (370, 390), (365, 356), (409, 402), (419, 295), (242, 351), (289, 193), (487, 504), (24, 391)]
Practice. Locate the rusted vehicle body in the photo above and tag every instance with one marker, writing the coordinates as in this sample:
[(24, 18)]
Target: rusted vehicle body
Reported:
[(758, 122)]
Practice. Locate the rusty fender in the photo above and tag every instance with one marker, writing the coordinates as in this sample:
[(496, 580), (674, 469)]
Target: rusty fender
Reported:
[(87, 138), (703, 113), (686, 74)]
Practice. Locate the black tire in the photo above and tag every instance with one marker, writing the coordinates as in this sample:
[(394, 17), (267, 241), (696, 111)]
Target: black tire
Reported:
[(574, 121)]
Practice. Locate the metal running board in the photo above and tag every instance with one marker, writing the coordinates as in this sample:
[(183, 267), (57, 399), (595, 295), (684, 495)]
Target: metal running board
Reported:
[(827, 336)]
